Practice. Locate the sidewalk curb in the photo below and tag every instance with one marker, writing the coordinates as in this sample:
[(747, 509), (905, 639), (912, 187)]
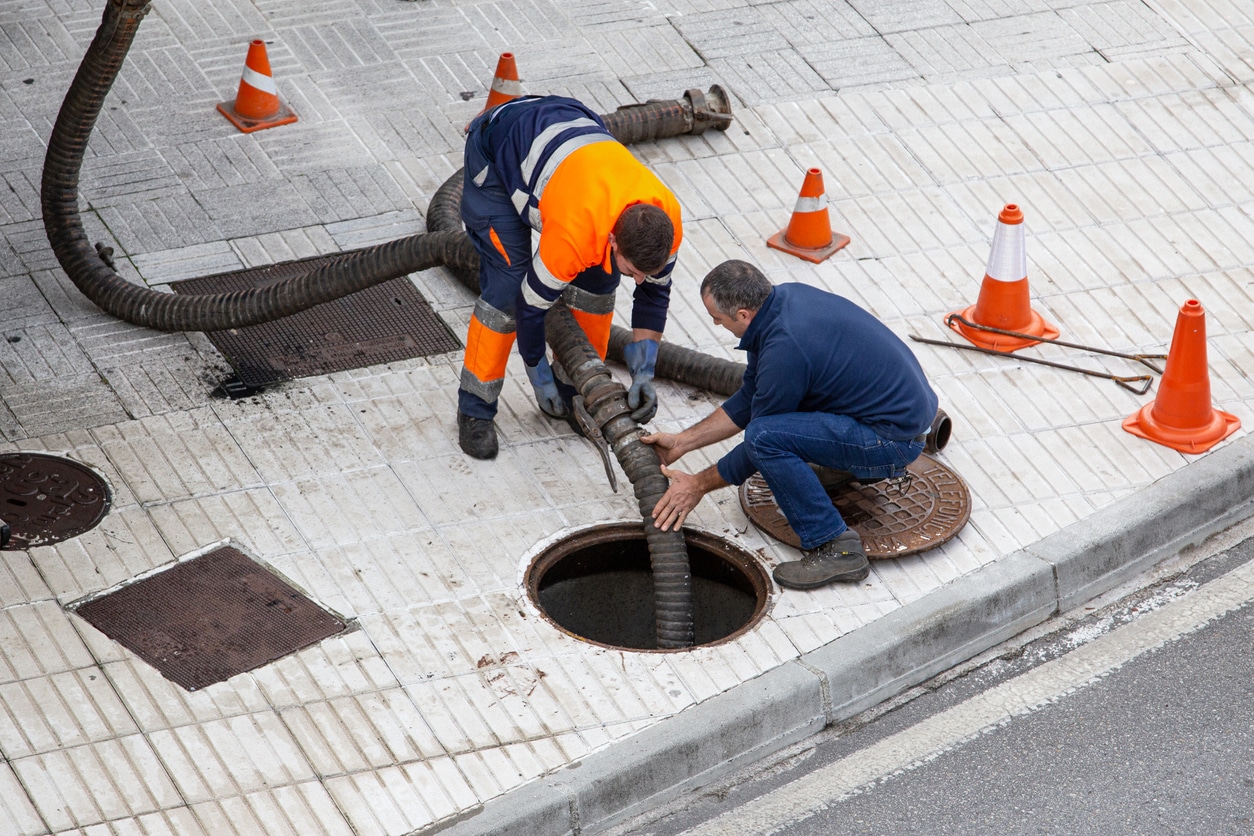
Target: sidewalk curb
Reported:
[(874, 663)]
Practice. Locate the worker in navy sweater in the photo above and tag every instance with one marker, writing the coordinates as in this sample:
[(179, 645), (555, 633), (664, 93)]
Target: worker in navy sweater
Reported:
[(826, 383)]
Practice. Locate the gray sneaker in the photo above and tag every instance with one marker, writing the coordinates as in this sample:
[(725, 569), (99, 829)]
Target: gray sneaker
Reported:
[(842, 559)]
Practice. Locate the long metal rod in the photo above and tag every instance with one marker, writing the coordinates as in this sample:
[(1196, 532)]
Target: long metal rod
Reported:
[(1145, 380), (1143, 359)]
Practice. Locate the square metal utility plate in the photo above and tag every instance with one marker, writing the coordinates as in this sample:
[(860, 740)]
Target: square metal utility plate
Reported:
[(207, 619), (390, 321)]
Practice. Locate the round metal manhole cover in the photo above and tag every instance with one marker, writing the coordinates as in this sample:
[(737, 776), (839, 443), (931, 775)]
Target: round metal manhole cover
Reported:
[(46, 499), (928, 511)]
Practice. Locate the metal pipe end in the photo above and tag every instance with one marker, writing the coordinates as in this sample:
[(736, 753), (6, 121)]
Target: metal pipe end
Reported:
[(938, 434), (709, 110)]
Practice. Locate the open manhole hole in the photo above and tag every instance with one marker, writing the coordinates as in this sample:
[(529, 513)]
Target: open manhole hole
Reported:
[(597, 585), (209, 618), (892, 520), (45, 499)]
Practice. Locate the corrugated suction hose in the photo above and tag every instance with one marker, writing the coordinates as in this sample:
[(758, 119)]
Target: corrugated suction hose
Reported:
[(606, 401)]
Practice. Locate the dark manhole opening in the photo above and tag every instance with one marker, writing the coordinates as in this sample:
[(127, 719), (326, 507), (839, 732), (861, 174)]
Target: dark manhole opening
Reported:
[(45, 499), (209, 618), (598, 586), (384, 323)]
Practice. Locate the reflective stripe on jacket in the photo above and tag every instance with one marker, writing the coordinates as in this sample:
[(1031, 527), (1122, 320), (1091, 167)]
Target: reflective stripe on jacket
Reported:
[(569, 179)]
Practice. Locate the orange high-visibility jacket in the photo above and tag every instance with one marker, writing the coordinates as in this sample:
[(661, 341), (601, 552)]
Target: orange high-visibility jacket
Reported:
[(570, 179)]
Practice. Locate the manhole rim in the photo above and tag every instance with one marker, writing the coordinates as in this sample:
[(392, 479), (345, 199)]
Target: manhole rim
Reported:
[(106, 505), (562, 544)]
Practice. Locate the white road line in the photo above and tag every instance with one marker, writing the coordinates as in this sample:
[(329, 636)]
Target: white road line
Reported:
[(1015, 697)]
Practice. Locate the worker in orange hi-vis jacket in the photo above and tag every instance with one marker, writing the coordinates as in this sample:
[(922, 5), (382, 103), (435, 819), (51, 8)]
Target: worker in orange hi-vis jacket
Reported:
[(547, 163)]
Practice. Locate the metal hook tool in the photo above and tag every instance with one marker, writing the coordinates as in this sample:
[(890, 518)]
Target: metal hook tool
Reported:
[(1145, 380), (588, 429), (1143, 359)]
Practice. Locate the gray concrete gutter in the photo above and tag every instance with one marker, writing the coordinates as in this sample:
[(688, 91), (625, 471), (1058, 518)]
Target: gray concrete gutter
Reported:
[(874, 663)]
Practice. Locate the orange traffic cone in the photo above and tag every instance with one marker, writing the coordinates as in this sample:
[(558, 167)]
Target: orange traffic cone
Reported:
[(505, 84), (809, 233), (257, 104), (1181, 416), (1003, 302)]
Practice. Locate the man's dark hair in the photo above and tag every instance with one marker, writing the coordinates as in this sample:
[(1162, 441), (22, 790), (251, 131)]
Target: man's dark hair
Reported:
[(644, 234), (734, 285)]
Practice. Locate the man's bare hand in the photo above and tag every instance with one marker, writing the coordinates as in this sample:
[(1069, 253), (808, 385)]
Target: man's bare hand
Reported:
[(666, 445), (678, 501)]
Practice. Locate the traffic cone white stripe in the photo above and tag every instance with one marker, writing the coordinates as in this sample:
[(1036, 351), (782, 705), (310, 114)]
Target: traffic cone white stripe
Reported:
[(1008, 261), (810, 204), (507, 87), (264, 83)]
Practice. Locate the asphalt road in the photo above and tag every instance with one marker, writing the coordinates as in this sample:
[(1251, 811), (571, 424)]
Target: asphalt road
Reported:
[(1135, 718)]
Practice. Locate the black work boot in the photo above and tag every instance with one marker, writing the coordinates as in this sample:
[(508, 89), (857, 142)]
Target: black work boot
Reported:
[(477, 436), (842, 559)]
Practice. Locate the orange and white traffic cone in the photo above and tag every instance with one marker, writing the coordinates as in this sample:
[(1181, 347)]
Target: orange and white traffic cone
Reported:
[(257, 104), (1181, 416), (505, 84), (809, 233), (1003, 302)]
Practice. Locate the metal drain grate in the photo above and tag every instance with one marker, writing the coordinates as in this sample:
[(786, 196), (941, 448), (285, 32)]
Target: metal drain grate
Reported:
[(927, 512), (387, 322), (210, 618), (46, 499)]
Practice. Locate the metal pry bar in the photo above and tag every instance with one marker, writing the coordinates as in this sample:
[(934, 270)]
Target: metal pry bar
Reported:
[(593, 433), (1145, 380), (1143, 359)]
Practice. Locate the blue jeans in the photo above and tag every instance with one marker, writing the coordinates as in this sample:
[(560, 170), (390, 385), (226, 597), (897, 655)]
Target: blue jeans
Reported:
[(783, 446)]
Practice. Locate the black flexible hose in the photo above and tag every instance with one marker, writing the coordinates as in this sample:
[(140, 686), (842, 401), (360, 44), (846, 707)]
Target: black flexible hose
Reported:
[(205, 312), (606, 401)]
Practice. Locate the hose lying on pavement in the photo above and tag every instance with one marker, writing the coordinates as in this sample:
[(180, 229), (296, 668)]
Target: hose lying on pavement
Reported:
[(606, 401)]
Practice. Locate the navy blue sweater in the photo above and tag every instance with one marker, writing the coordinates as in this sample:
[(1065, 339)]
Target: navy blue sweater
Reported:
[(814, 351)]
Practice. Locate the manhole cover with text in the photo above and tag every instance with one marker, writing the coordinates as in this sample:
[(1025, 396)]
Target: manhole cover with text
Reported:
[(45, 499), (924, 513)]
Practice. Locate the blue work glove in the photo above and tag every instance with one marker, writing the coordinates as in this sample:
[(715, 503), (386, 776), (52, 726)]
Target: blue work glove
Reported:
[(541, 377), (641, 357)]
